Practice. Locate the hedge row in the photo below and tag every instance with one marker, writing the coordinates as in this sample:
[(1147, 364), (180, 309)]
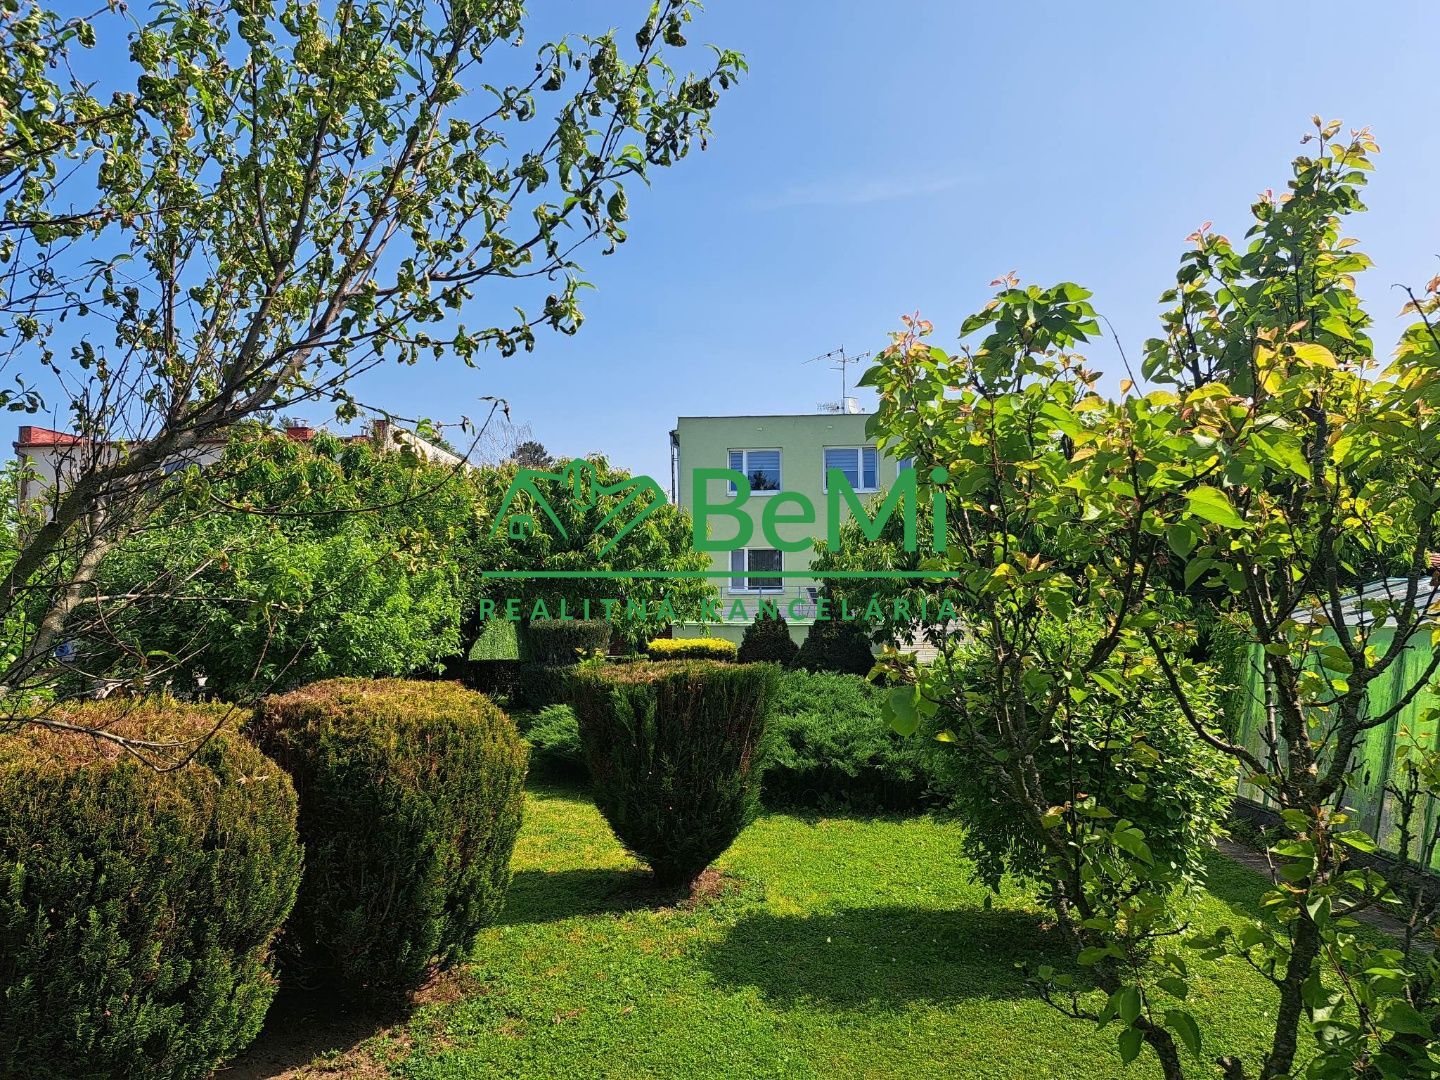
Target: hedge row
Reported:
[(139, 909), (700, 648)]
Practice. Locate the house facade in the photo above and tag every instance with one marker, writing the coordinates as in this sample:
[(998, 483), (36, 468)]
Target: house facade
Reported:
[(776, 454)]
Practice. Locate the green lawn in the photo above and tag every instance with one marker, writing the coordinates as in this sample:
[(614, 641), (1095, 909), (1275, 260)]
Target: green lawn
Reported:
[(852, 947)]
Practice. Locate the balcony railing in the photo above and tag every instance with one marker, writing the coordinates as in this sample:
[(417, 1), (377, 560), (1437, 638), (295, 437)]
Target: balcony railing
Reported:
[(795, 602)]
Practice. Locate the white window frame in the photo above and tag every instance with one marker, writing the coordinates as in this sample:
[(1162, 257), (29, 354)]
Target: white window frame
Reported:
[(745, 452), (747, 572), (859, 470)]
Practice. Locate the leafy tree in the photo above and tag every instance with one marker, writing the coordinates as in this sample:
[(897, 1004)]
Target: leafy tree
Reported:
[(1286, 457), (262, 201), (287, 562)]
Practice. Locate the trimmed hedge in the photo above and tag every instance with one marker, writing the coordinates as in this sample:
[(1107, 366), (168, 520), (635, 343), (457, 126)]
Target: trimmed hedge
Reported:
[(498, 640), (674, 755), (828, 746), (701, 648), (138, 908), (410, 801), (833, 645), (767, 640), (567, 641)]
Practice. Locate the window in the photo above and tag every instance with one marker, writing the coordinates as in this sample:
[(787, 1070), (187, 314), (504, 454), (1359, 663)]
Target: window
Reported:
[(748, 570), (905, 463), (859, 464), (761, 468)]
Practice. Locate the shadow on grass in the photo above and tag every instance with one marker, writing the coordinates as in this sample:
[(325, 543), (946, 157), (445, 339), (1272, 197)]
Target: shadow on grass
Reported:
[(540, 896), (303, 1026), (885, 957)]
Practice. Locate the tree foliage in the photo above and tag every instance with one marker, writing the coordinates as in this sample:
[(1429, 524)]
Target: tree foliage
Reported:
[(1273, 458), (579, 540), (258, 202), (284, 562)]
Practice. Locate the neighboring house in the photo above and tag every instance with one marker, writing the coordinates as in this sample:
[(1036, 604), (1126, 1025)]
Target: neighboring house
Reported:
[(53, 457), (789, 453)]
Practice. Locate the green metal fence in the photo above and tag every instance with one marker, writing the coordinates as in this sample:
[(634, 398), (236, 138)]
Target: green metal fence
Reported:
[(1373, 807)]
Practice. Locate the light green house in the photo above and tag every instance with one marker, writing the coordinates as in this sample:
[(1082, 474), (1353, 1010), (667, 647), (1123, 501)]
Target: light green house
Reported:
[(777, 454)]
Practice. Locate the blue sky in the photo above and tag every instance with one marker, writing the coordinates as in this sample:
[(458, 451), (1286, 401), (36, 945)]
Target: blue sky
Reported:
[(885, 158)]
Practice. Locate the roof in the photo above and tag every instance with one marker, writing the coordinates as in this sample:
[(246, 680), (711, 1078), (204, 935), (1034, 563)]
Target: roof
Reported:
[(30, 435), (1358, 608)]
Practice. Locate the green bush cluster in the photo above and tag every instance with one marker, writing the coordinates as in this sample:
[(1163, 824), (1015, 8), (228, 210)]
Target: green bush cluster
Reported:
[(828, 746), (318, 591), (703, 648), (138, 908), (674, 755), (1177, 792), (410, 802), (767, 640), (554, 738)]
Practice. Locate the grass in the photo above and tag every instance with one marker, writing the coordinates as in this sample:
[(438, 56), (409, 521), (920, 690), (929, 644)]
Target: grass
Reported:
[(851, 947)]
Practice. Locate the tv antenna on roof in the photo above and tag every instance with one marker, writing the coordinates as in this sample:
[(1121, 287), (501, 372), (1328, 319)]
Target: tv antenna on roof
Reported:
[(840, 360)]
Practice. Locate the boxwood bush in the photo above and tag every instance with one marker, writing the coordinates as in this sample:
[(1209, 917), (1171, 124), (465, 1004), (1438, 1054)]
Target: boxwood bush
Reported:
[(138, 907), (410, 801), (836, 645), (674, 756), (694, 648), (827, 746), (767, 640)]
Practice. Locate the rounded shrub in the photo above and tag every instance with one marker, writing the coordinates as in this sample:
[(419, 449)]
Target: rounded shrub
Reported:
[(674, 756), (138, 907), (767, 640), (410, 801), (836, 645), (693, 648)]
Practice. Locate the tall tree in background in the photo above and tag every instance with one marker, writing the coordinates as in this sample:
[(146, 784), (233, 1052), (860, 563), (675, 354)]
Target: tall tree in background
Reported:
[(243, 206), (531, 454)]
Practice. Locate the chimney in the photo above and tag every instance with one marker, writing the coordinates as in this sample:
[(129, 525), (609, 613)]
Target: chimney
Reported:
[(300, 432)]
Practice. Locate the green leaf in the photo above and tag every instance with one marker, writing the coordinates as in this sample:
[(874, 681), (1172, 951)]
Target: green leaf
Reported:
[(1174, 986), (1196, 570), (1404, 1019), (1127, 1004), (1183, 1024), (1132, 840), (1214, 505), (1181, 538), (904, 717), (1130, 1042)]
